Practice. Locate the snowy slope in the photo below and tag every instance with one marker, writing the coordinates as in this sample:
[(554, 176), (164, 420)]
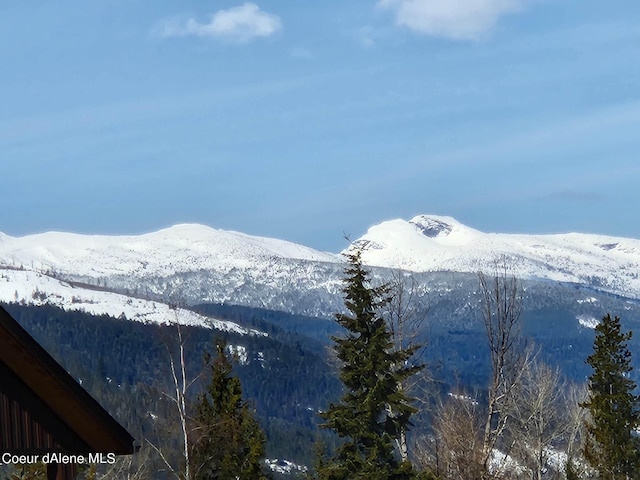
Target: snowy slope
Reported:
[(192, 264), (177, 249), (185, 264), (430, 243), (33, 288)]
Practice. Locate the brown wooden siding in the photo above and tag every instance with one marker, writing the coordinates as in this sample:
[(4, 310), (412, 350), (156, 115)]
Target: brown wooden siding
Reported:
[(28, 425), (20, 432)]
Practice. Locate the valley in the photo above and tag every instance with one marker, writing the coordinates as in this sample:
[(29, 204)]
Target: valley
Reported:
[(108, 307)]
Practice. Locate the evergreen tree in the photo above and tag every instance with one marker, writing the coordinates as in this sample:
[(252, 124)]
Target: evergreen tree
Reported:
[(611, 446), (374, 410), (229, 444)]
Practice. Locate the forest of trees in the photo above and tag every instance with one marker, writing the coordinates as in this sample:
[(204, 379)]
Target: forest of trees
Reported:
[(529, 422), (366, 397)]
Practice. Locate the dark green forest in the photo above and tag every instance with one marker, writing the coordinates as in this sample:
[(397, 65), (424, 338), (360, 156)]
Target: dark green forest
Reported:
[(125, 366)]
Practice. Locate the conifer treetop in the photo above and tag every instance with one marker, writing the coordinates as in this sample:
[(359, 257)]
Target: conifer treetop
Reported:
[(611, 446), (374, 410)]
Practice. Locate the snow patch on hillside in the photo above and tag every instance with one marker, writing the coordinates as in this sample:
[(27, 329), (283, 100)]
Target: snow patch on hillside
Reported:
[(587, 300), (284, 466), (588, 321), (239, 353), (34, 288)]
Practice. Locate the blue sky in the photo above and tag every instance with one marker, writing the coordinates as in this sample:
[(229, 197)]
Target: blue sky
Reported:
[(303, 119)]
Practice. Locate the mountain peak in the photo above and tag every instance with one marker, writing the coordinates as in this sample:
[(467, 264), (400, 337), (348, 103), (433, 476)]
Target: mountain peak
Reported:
[(428, 243), (191, 231), (433, 226)]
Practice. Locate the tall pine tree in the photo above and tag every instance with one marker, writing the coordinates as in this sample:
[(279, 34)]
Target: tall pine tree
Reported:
[(611, 446), (374, 410), (229, 444)]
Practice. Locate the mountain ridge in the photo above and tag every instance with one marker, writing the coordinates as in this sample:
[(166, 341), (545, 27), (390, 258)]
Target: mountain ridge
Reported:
[(201, 247), (188, 264), (603, 261)]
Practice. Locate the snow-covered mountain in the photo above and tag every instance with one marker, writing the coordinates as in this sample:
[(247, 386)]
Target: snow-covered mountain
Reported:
[(184, 264), (191, 264), (429, 243), (178, 249)]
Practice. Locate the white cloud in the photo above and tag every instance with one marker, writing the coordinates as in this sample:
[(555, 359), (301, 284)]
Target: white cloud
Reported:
[(238, 24), (452, 19)]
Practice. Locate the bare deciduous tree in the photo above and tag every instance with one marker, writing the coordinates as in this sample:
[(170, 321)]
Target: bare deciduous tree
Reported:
[(454, 451), (576, 394), (405, 314), (501, 308), (406, 319), (538, 409), (181, 384)]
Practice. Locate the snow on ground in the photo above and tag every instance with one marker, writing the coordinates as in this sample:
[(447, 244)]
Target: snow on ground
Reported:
[(556, 460), (239, 352), (588, 321), (284, 466), (33, 288), (463, 398), (588, 300), (260, 358), (501, 463)]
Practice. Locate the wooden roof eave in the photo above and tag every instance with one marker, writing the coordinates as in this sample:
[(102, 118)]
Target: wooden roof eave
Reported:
[(59, 391)]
